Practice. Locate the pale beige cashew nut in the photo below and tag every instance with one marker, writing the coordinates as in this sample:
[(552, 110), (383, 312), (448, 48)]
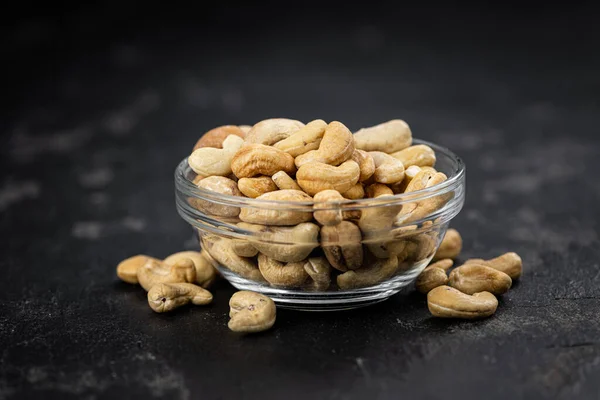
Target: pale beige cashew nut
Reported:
[(418, 247), (221, 249), (281, 274), (388, 170), (245, 129), (166, 297), (369, 275), (342, 246), (444, 264), (335, 148), (319, 270), (205, 272), (217, 184), (365, 163), (154, 272), (209, 161), (431, 278), (285, 244), (509, 263), (128, 268), (272, 215), (378, 189), (251, 312), (283, 181), (216, 136), (244, 247), (306, 139), (475, 278), (389, 137), (271, 131), (355, 192), (409, 174), (258, 159), (254, 187), (420, 155), (315, 177), (419, 210), (447, 302), (450, 247), (376, 222), (328, 199)]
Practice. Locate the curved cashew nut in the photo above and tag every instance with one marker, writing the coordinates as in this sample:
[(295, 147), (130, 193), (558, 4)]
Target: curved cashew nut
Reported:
[(244, 247), (387, 168), (365, 163), (475, 278), (216, 136), (208, 161), (254, 187), (265, 216), (271, 131), (319, 270), (154, 272), (355, 192), (447, 302), (509, 263), (444, 264), (218, 184), (376, 222), (327, 199), (259, 159), (370, 275), (128, 268), (389, 137), (336, 147), (420, 155), (306, 139), (430, 278), (409, 174), (284, 181), (281, 274), (205, 272), (451, 246), (419, 210), (251, 312), (342, 245), (169, 296), (378, 189), (221, 250), (315, 177)]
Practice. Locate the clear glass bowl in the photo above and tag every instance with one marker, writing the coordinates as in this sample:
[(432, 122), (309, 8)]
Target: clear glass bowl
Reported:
[(313, 267)]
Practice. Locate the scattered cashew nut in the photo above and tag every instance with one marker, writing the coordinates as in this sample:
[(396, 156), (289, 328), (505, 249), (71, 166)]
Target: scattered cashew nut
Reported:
[(450, 247), (430, 278), (154, 272), (166, 297), (509, 263), (447, 302), (128, 268), (251, 312), (205, 272), (474, 278)]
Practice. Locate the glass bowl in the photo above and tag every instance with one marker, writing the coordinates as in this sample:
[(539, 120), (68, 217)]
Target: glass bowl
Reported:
[(278, 248)]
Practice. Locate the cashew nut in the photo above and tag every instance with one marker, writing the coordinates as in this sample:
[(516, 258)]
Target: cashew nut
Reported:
[(447, 302), (379, 271), (274, 216), (342, 245), (430, 278), (324, 201), (205, 272), (389, 137), (282, 274), (284, 181), (365, 163), (419, 210), (509, 263), (254, 187), (221, 250), (387, 168), (244, 247), (409, 174), (218, 184), (251, 312), (154, 272), (166, 297), (216, 136), (245, 129), (335, 148), (128, 268), (418, 247), (315, 177), (474, 278), (450, 247), (355, 192), (306, 139), (376, 222), (319, 270), (444, 264), (271, 131), (208, 161), (378, 189), (259, 159), (420, 155)]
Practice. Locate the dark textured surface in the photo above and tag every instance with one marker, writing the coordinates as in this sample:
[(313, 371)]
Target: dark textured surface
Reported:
[(102, 104)]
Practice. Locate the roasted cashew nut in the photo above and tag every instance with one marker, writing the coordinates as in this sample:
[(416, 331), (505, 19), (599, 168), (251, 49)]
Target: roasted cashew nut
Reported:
[(388, 169), (275, 216), (420, 155), (319, 270), (355, 192), (430, 278), (305, 139), (289, 275), (389, 137), (208, 161), (447, 302), (284, 181), (365, 163), (335, 148), (314, 177), (342, 245), (221, 249), (218, 184), (205, 272), (375, 224), (284, 244), (251, 312), (451, 246), (475, 278), (154, 272), (216, 136), (166, 297), (128, 268), (259, 159), (369, 275), (509, 263), (271, 131), (254, 187), (378, 189), (326, 210)]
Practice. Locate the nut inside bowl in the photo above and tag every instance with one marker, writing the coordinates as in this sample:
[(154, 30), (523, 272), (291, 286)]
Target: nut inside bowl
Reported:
[(312, 255)]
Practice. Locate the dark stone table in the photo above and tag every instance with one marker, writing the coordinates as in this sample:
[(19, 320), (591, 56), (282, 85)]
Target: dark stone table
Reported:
[(101, 102)]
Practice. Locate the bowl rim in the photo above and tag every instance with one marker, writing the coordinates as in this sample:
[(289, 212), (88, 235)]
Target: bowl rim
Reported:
[(187, 188)]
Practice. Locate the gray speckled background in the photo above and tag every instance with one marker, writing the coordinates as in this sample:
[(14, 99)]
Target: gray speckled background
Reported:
[(103, 102)]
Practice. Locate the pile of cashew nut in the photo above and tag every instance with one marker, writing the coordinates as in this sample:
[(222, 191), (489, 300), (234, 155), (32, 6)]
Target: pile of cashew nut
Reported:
[(327, 247)]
